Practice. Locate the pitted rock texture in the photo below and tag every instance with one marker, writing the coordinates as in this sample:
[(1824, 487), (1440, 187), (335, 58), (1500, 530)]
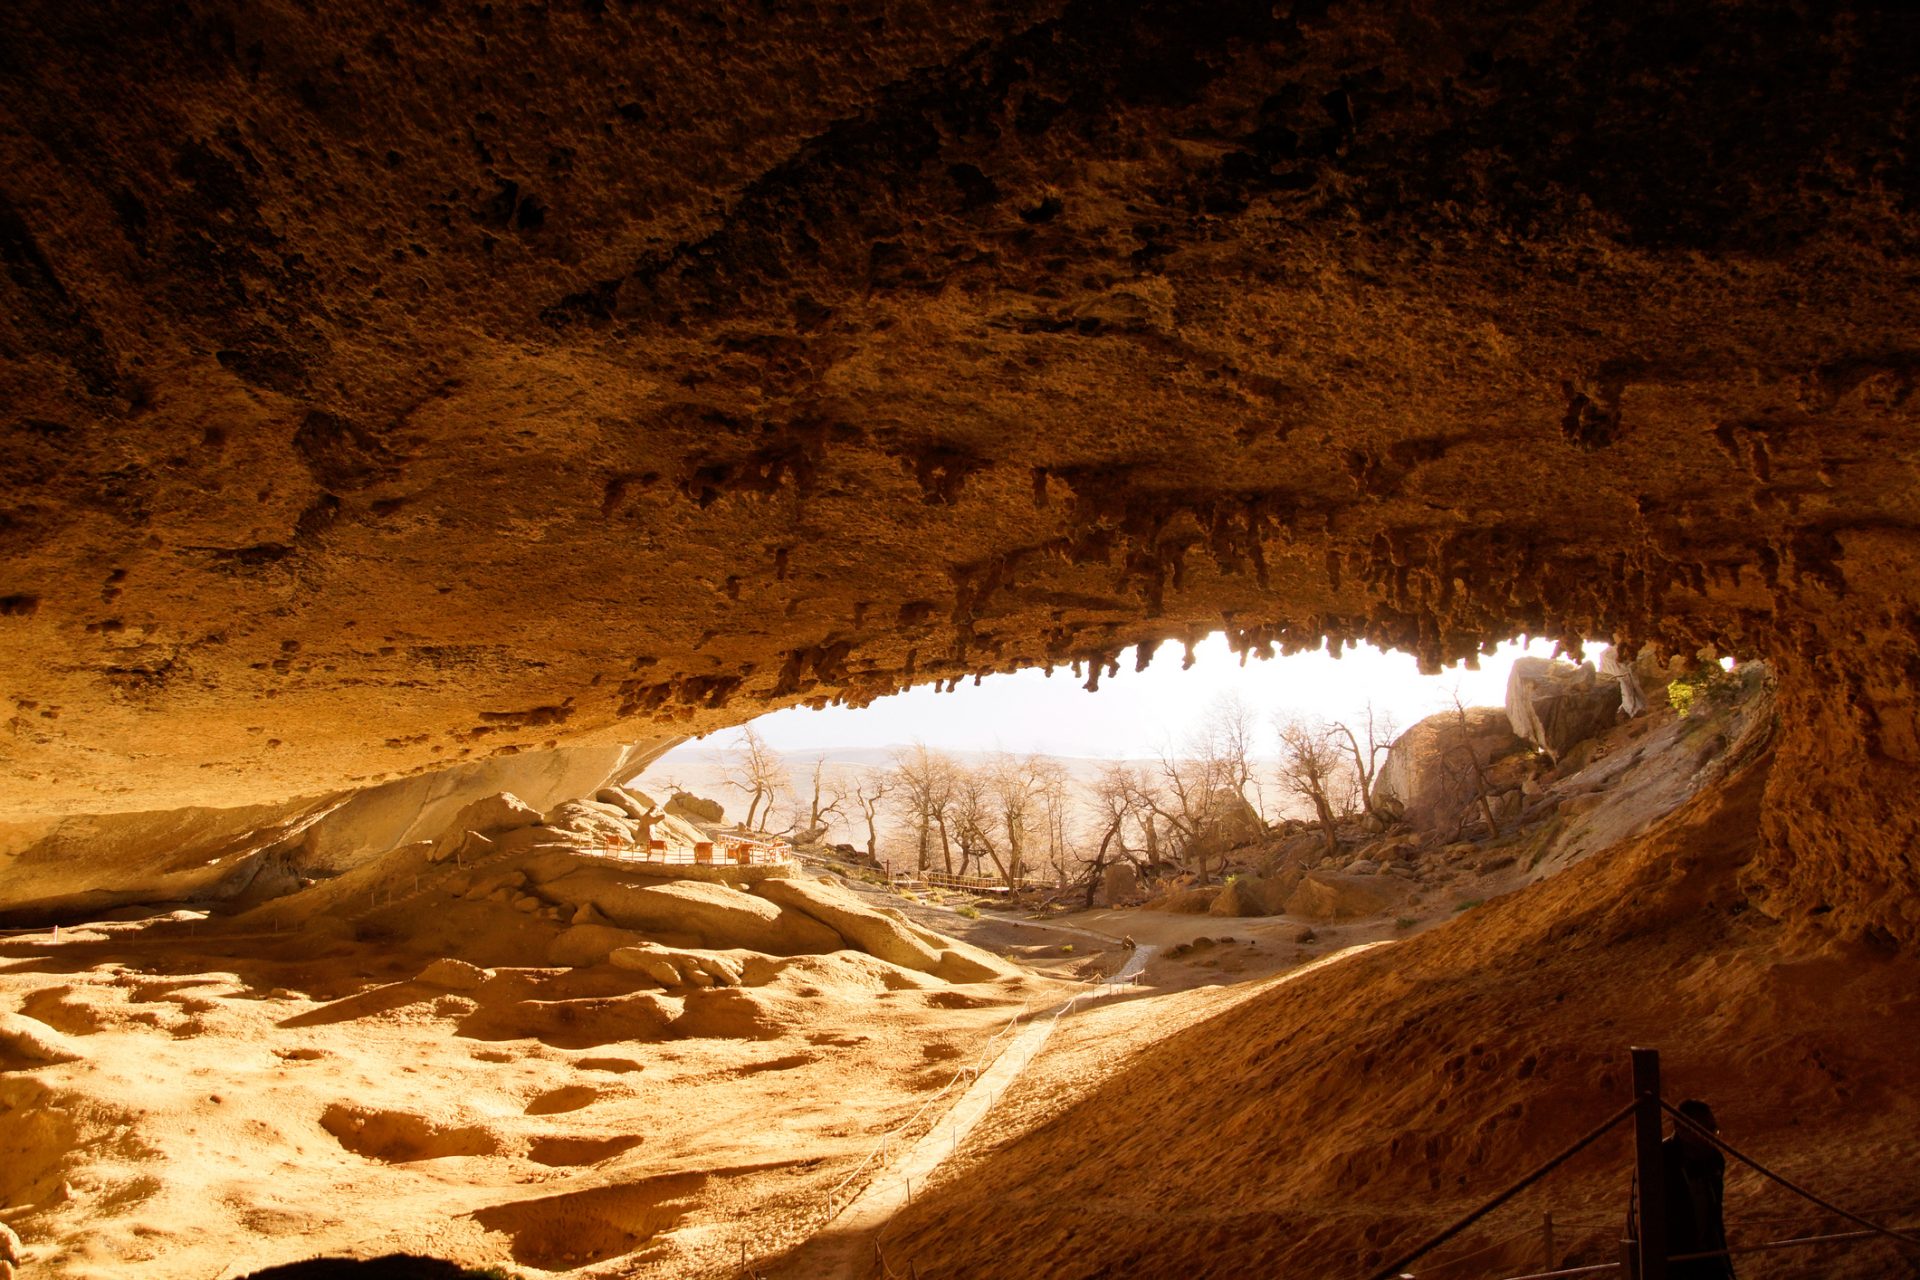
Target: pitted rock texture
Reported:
[(386, 389)]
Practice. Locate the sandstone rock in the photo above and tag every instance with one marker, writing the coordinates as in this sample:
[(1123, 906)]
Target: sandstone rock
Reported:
[(695, 809), (1193, 902), (1325, 896), (1555, 704), (588, 944), (28, 1042), (429, 805), (1119, 884), (709, 915), (1362, 867), (644, 959), (502, 811), (627, 802), (455, 975), (1427, 775), (674, 967), (866, 929), (963, 963), (1251, 896), (601, 824)]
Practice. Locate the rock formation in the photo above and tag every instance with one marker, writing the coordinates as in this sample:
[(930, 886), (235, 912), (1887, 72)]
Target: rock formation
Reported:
[(386, 393), (1428, 777), (1554, 705)]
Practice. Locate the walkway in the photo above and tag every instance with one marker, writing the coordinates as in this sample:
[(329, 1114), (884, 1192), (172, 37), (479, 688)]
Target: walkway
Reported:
[(843, 1249)]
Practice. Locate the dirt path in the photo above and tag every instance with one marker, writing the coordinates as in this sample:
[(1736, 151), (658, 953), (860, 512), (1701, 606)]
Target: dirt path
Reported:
[(842, 1249)]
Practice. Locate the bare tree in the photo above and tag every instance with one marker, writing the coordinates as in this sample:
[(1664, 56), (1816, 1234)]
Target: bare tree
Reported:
[(1380, 733), (870, 788), (755, 768), (974, 819), (1024, 791), (925, 781), (1311, 768), (827, 795), (1114, 803), (1228, 740), (1465, 769)]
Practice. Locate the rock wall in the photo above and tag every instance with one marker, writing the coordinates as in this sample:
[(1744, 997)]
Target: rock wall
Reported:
[(388, 391), (93, 861)]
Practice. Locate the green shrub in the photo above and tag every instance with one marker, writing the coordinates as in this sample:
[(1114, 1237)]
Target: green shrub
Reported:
[(1405, 922), (968, 910), (1469, 904), (1700, 687)]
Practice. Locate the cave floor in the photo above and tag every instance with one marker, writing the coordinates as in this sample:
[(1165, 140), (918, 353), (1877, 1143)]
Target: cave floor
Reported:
[(239, 1100)]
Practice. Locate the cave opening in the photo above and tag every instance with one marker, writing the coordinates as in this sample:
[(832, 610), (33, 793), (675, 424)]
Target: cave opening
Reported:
[(415, 422)]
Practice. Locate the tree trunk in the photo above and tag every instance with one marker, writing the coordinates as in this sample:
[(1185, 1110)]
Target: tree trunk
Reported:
[(1099, 864), (946, 846), (1325, 811)]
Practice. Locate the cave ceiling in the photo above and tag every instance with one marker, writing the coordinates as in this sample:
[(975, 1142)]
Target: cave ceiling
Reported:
[(393, 385)]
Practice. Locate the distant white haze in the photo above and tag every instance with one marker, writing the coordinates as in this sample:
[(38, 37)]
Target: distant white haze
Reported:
[(1134, 713)]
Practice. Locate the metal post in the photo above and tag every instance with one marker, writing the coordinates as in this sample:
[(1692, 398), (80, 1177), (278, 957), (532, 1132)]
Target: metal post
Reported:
[(1630, 1259), (1647, 1165), (1546, 1234)]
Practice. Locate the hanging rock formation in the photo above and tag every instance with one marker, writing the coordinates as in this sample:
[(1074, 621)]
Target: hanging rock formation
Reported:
[(388, 390)]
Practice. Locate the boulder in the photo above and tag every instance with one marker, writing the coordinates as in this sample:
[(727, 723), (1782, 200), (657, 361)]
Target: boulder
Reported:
[(488, 816), (959, 961), (694, 809), (1119, 884), (1363, 867), (1326, 896), (1253, 896), (1192, 902), (1555, 704), (703, 914), (873, 933), (679, 967), (586, 944), (1428, 777), (455, 975), (631, 803), (600, 823)]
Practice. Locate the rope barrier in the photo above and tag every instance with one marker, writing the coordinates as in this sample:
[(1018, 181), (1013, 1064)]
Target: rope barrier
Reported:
[(969, 1070), (1465, 1258), (1798, 1190), (1391, 1271)]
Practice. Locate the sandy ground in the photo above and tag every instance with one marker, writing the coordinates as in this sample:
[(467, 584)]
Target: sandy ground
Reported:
[(239, 1101)]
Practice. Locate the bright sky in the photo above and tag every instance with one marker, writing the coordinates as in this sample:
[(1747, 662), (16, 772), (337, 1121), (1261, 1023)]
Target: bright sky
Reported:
[(1133, 713)]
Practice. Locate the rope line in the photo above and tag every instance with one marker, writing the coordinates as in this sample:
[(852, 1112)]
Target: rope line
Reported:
[(1798, 1190), (1465, 1258), (1393, 1269)]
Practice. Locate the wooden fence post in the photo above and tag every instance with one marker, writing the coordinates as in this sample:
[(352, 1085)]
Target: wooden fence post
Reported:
[(1652, 1206)]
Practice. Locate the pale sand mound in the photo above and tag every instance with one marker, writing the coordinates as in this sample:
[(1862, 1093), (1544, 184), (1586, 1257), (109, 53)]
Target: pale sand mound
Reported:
[(324, 1075), (1307, 1132)]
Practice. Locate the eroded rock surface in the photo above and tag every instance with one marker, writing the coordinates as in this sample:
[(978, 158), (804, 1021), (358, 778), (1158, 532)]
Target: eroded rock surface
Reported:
[(385, 392)]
